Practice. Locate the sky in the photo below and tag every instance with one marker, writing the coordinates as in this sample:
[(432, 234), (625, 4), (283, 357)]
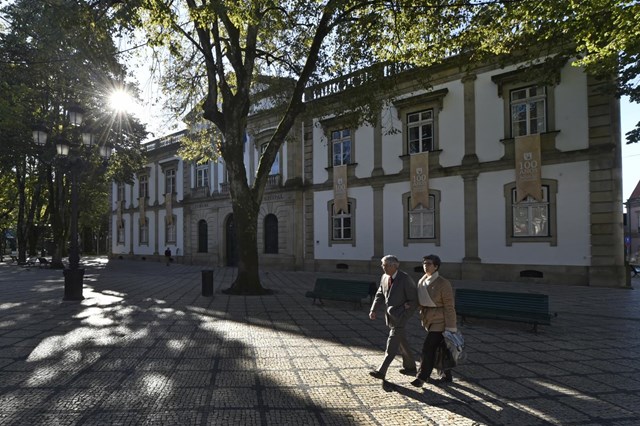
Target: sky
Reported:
[(630, 115)]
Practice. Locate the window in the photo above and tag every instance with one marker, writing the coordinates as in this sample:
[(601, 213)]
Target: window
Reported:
[(170, 232), (341, 147), (341, 224), (422, 220), (202, 175), (170, 181), (271, 234), (121, 233), (530, 216), (420, 134), (275, 167), (422, 224), (528, 107), (531, 220), (638, 220), (419, 117), (143, 186), (144, 232)]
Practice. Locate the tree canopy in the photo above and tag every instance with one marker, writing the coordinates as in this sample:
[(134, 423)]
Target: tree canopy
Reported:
[(603, 35), (216, 51), (56, 55)]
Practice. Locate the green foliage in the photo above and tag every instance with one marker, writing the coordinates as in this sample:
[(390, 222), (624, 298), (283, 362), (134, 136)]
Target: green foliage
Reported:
[(201, 142), (603, 35), (55, 54), (216, 51)]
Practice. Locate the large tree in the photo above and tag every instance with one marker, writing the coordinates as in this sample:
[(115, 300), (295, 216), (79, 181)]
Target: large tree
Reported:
[(220, 49), (56, 54)]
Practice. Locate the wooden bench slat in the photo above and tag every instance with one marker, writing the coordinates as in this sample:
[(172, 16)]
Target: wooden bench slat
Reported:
[(530, 308), (340, 290)]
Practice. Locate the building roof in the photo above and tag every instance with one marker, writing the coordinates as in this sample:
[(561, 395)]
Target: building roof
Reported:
[(636, 192)]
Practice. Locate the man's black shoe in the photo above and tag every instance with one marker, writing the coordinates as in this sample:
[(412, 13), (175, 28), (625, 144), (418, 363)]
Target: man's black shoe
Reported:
[(417, 383), (408, 372), (441, 381), (387, 386), (376, 374)]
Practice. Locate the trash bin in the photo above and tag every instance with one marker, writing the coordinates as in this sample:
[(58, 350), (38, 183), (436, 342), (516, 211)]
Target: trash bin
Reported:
[(207, 282)]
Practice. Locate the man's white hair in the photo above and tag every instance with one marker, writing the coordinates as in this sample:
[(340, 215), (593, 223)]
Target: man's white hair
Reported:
[(390, 260)]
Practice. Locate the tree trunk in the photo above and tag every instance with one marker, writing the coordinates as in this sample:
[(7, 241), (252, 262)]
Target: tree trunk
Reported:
[(21, 232), (248, 279), (246, 206), (56, 189), (245, 215)]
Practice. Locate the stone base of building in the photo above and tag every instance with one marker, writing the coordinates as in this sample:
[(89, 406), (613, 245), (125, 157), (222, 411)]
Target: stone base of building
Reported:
[(610, 276), (600, 276)]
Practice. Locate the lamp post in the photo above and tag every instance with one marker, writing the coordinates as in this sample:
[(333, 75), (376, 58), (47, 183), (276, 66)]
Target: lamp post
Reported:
[(72, 153)]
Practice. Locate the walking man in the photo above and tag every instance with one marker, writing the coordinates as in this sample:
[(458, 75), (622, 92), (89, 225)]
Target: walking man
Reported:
[(167, 255), (397, 293)]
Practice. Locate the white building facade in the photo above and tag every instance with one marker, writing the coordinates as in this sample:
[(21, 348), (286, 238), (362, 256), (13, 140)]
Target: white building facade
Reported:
[(341, 196)]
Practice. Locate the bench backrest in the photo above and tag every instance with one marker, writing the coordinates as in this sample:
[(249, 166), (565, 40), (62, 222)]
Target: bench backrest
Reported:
[(502, 300), (344, 287)]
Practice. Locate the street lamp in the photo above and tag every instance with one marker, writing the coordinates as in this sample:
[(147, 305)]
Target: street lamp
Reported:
[(72, 153)]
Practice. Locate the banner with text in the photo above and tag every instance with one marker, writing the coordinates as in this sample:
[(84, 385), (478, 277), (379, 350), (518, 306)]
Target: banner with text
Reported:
[(169, 218), (340, 201), (528, 167), (419, 179), (119, 210), (141, 202)]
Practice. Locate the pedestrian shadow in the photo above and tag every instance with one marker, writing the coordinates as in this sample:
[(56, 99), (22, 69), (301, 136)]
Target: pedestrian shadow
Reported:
[(471, 403), (146, 347)]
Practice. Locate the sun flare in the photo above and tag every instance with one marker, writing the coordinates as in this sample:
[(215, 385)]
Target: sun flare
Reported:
[(121, 101)]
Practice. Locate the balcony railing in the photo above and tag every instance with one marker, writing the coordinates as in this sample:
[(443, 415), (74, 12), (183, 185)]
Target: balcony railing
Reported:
[(200, 191), (274, 181), (224, 188), (358, 78)]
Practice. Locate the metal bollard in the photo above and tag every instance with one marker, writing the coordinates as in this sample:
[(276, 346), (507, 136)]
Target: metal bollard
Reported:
[(207, 282)]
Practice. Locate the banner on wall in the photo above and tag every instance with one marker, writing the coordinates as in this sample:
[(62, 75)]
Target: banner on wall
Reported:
[(119, 210), (419, 179), (167, 201), (340, 201), (141, 202), (528, 167)]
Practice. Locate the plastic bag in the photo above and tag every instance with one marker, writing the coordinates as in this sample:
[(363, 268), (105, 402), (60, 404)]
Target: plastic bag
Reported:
[(455, 345)]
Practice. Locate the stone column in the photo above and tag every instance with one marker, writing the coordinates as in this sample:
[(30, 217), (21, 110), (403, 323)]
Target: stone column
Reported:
[(378, 225), (605, 187), (470, 263)]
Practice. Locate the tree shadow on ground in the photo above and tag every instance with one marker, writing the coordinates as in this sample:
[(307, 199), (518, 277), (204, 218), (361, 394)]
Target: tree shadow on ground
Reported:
[(146, 348)]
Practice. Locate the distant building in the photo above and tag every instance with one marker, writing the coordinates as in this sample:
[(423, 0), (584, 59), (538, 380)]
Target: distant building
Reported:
[(504, 177), (632, 230)]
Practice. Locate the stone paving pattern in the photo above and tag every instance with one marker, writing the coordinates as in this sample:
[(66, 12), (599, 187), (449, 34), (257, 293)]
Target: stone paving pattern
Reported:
[(145, 347)]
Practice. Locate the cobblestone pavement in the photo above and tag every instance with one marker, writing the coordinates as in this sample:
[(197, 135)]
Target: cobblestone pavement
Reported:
[(145, 347)]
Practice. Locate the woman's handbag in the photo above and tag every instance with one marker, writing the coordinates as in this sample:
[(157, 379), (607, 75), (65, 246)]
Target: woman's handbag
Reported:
[(443, 360), (455, 344)]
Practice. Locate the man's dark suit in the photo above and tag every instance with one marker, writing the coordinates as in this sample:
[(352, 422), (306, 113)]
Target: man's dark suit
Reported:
[(400, 304)]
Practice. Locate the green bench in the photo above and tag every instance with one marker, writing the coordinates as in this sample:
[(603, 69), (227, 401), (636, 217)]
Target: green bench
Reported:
[(341, 290), (531, 308)]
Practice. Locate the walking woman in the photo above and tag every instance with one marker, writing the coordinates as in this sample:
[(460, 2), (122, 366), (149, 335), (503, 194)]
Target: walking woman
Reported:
[(437, 313)]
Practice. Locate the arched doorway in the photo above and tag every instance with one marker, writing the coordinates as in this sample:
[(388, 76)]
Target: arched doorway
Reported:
[(231, 242), (271, 234), (203, 239)]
